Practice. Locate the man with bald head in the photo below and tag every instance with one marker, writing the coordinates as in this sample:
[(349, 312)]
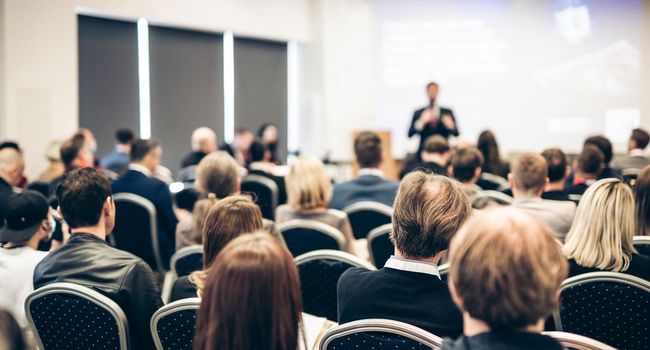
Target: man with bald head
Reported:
[(204, 141), (12, 166), (528, 179)]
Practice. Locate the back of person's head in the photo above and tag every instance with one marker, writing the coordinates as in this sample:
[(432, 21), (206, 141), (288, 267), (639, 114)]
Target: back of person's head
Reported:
[(26, 214), (436, 144), (243, 139), (429, 210), (642, 202), (11, 336), (251, 299), (556, 164), (12, 165), (10, 144), (465, 163), (268, 133), (603, 227), (258, 151), (124, 136), (217, 173), (590, 160), (529, 173), (204, 140), (639, 139), (506, 269), (308, 186), (141, 148), (82, 195), (603, 144), (70, 150), (489, 148), (367, 149)]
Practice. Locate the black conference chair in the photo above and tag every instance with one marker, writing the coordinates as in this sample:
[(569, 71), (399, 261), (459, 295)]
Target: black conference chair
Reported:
[(606, 306), (187, 260), (380, 247), (366, 216), (70, 316), (630, 175), (491, 182), (319, 273), (173, 325), (578, 342), (484, 199), (41, 187), (378, 334), (303, 236), (265, 191), (187, 174), (136, 229), (642, 244)]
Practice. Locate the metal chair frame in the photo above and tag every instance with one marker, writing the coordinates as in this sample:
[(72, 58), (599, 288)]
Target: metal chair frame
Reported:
[(176, 306)]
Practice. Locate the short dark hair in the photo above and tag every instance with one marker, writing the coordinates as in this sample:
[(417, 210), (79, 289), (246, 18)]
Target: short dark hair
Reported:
[(257, 151), (464, 163), (124, 136), (590, 160), (556, 162), (603, 144), (10, 144), (141, 147), (431, 83), (70, 149), (81, 195), (640, 137), (436, 144), (367, 149)]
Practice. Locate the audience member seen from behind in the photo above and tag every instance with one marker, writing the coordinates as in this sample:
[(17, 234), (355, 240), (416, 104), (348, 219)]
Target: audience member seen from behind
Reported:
[(262, 165), (87, 206), (251, 298), (587, 168), (55, 167), (204, 142), (528, 180), (268, 134), (466, 164), (505, 297), (216, 178), (601, 238), (605, 146), (139, 180), (642, 202), (558, 171), (435, 157), (12, 166), (118, 160), (76, 153), (370, 184), (492, 164), (635, 158), (11, 336), (226, 220), (308, 194), (240, 148), (429, 210), (27, 222)]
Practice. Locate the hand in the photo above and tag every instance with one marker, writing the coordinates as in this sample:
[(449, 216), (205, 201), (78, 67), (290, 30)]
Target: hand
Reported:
[(425, 118), (448, 122)]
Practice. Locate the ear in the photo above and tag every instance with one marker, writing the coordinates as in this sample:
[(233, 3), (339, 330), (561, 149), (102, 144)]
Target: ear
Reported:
[(109, 206), (450, 171), (567, 172), (477, 172), (546, 182), (511, 180)]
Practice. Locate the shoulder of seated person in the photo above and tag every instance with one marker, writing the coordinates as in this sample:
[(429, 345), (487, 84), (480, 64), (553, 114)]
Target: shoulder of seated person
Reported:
[(338, 213)]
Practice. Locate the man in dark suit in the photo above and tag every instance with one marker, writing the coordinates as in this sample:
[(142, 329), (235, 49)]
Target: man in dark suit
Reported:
[(435, 157), (261, 165), (145, 157), (429, 210), (12, 166), (204, 141), (370, 185), (432, 120)]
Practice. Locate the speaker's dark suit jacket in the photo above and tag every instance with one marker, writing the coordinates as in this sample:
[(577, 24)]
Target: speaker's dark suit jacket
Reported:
[(436, 128), (364, 188), (158, 193)]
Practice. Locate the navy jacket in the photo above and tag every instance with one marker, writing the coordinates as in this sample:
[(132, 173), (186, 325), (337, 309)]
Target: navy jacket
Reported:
[(158, 193), (364, 188)]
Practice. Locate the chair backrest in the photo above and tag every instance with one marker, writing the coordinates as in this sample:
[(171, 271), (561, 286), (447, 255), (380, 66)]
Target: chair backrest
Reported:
[(380, 247), (578, 342), (319, 274), (266, 193), (173, 325), (492, 182), (366, 216), (303, 236), (642, 244), (379, 334), (187, 174), (136, 228), (610, 307), (187, 260), (70, 316), (630, 175), (41, 187), (483, 198)]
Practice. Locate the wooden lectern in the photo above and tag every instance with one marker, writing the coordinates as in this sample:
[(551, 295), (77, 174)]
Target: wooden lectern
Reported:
[(389, 166)]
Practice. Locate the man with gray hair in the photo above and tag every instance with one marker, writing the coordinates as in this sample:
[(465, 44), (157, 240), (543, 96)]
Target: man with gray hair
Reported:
[(204, 141), (12, 166)]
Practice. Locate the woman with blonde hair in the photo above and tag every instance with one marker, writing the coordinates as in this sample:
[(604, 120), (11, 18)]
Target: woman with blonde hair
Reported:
[(226, 220), (217, 177), (600, 238), (308, 193)]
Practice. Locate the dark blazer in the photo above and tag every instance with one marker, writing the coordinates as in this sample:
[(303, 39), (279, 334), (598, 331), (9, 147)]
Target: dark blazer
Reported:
[(429, 130), (639, 266), (121, 276), (556, 195), (419, 299), (364, 188), (192, 158), (427, 166), (158, 193), (502, 341)]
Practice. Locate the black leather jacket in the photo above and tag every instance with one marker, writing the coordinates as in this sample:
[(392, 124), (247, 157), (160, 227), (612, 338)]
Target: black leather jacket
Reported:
[(89, 261)]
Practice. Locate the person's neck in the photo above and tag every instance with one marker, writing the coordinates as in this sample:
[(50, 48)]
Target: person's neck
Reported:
[(32, 243), (434, 158), (123, 148), (516, 193), (473, 326), (586, 176), (6, 179), (470, 185), (555, 186), (432, 260), (98, 231)]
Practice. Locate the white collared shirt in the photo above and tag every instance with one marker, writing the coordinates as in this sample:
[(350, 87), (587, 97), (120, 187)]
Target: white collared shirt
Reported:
[(371, 171), (140, 168), (412, 266)]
